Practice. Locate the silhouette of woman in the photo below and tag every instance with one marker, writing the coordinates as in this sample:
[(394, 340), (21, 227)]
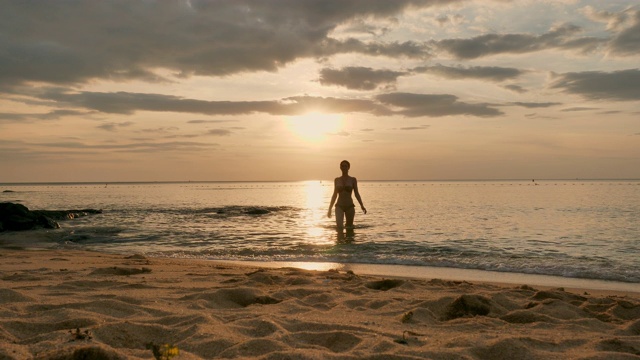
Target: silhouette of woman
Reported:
[(343, 187)]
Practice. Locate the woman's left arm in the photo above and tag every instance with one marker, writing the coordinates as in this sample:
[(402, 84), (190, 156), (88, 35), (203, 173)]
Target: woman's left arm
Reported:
[(357, 194)]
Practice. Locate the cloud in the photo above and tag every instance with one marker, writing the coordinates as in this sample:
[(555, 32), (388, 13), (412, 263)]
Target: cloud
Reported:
[(536, 116), (614, 21), (410, 105), (365, 78), (51, 115), (596, 85), (408, 49), (359, 78), (627, 42), (533, 105), (130, 147), (129, 103), (515, 88), (411, 128), (435, 105), (122, 39), (18, 149), (453, 19), (112, 126), (219, 132), (490, 73), (208, 121), (579, 108), (561, 37)]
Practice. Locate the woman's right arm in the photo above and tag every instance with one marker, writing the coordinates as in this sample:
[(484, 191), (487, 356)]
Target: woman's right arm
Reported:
[(333, 198)]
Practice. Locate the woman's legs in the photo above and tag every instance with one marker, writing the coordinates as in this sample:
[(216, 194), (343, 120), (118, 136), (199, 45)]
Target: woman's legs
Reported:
[(339, 218), (350, 215)]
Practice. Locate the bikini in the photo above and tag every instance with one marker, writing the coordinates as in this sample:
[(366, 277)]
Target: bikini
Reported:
[(345, 188)]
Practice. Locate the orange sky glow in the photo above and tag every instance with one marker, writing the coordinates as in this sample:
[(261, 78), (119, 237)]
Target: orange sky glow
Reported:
[(284, 90)]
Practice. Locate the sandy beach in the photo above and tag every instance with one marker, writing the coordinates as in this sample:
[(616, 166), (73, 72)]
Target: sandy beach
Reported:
[(68, 304)]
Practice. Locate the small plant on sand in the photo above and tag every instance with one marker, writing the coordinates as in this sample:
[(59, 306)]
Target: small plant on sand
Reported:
[(407, 317), (80, 335), (164, 351)]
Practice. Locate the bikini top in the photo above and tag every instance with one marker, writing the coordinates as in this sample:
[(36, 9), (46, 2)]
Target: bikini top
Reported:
[(343, 187)]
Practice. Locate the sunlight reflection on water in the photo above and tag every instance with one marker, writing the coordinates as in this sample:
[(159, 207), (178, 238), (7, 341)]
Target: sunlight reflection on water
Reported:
[(315, 200)]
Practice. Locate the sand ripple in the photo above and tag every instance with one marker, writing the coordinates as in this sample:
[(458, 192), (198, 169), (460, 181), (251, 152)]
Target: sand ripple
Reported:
[(80, 305)]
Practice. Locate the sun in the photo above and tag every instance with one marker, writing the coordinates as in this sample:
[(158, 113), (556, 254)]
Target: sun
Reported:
[(314, 127)]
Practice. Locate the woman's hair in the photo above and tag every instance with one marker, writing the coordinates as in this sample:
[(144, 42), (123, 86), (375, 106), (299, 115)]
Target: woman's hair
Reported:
[(345, 162)]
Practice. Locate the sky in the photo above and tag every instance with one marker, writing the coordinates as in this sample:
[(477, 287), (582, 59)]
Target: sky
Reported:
[(283, 90)]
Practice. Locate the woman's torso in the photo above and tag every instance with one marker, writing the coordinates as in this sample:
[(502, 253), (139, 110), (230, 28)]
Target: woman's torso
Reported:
[(344, 187)]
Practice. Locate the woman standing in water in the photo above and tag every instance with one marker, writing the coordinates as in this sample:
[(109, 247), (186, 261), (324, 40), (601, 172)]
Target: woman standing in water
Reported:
[(343, 187)]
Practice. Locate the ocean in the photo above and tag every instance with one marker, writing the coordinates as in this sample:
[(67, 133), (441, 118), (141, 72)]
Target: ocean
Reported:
[(581, 229)]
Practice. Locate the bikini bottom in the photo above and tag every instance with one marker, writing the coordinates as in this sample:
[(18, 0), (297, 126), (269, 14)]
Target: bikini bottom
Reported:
[(347, 207)]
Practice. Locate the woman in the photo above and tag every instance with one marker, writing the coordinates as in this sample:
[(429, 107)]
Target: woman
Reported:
[(343, 187)]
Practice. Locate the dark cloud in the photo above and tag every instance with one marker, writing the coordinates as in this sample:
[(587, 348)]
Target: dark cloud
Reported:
[(579, 108), (596, 85), (491, 73), (51, 115), (359, 78), (627, 42), (74, 41), (208, 121), (414, 105), (516, 88), (407, 49), (219, 132), (130, 147), (160, 130), (73, 148), (410, 105), (365, 78), (536, 116), (411, 128), (112, 126), (562, 37), (129, 103), (533, 105)]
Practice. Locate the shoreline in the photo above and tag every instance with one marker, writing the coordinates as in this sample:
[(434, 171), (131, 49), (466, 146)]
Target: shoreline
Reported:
[(38, 241), (453, 274), (72, 304)]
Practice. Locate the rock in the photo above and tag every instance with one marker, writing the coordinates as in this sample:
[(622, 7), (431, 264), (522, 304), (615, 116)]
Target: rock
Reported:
[(256, 211), (67, 214), (17, 217)]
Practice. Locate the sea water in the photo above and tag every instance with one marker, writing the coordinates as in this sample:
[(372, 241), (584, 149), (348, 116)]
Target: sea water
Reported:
[(571, 229)]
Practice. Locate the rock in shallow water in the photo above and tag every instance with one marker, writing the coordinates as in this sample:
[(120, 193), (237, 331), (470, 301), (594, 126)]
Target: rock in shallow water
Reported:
[(17, 217)]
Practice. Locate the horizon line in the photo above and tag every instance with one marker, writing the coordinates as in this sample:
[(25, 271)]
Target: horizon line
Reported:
[(300, 181)]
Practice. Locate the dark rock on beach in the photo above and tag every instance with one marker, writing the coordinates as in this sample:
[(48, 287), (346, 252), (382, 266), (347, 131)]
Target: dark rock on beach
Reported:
[(256, 211), (67, 214), (17, 217)]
